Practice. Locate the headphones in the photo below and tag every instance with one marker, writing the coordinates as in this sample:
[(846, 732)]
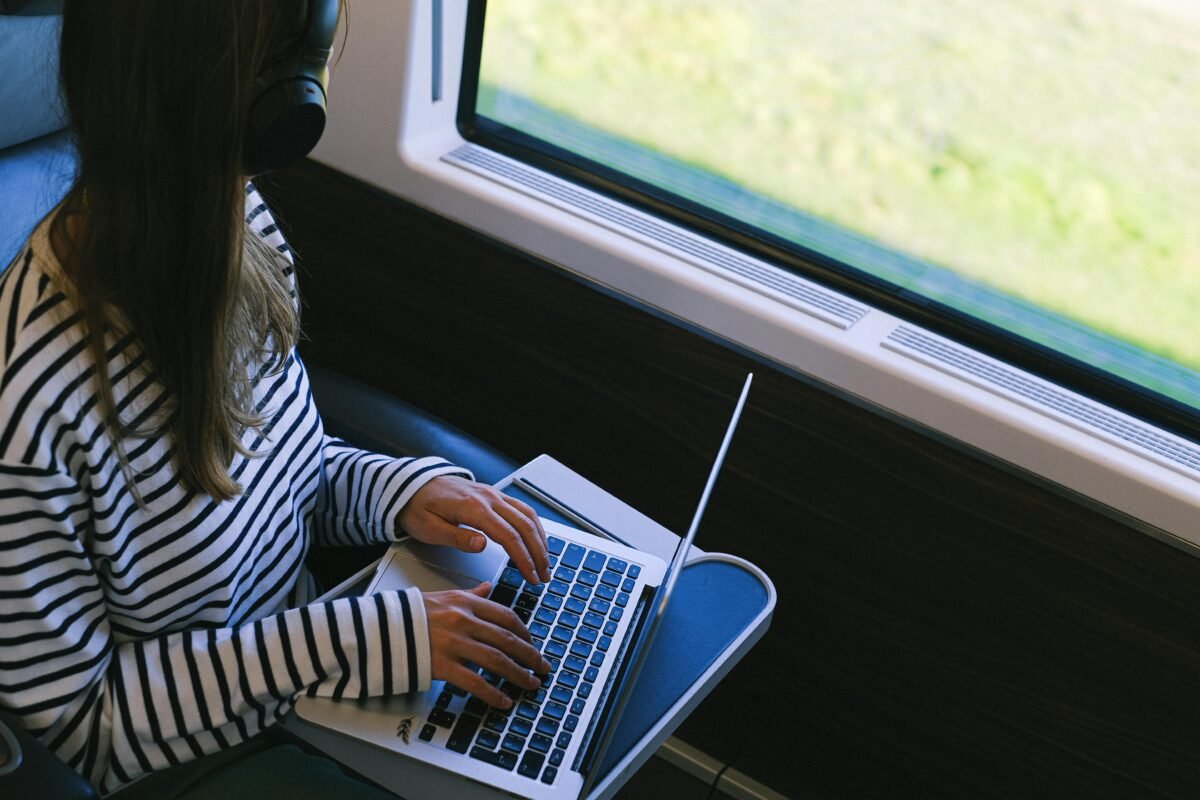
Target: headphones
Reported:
[(287, 115)]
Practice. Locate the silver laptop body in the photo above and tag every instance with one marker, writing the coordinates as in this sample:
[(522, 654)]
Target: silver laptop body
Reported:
[(594, 621)]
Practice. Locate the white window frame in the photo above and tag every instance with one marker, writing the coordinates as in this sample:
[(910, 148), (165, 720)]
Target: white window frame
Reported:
[(393, 124)]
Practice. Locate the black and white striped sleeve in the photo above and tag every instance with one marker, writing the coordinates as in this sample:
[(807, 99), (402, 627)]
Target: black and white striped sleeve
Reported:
[(362, 492), (115, 708)]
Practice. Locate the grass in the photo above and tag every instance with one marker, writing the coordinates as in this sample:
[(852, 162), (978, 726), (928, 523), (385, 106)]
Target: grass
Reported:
[(1049, 149)]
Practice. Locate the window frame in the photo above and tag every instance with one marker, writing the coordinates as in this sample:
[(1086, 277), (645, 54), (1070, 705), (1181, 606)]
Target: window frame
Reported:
[(988, 338)]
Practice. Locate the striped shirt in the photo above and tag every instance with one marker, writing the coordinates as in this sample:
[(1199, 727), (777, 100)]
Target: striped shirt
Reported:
[(136, 638)]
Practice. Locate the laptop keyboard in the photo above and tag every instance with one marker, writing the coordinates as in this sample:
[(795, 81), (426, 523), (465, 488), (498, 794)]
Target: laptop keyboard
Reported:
[(572, 619)]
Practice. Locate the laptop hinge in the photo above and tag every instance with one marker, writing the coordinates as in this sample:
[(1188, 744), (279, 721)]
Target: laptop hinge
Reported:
[(586, 754)]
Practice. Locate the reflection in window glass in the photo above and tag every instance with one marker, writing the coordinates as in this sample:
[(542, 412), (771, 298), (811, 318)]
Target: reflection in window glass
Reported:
[(1034, 163)]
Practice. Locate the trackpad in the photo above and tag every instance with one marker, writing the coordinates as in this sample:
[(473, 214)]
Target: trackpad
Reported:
[(432, 568)]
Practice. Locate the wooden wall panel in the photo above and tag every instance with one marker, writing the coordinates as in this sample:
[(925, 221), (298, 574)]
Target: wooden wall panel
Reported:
[(944, 628)]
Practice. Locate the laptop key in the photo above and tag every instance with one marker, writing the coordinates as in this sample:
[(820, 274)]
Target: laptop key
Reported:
[(610, 628), (488, 739), (634, 571), (622, 599), (584, 690), (511, 577), (627, 585), (495, 722), (523, 614), (616, 614), (567, 679), (587, 578), (527, 710), (427, 732), (561, 634), (547, 726), (558, 587), (555, 710), (604, 643), (592, 619), (564, 740), (520, 727), (501, 759), (575, 605), (581, 591), (452, 689), (600, 606), (531, 764), (552, 602), (555, 544), (504, 595), (556, 649), (549, 775), (539, 630), (476, 706), (536, 589), (444, 699), (591, 674), (610, 579), (587, 635), (606, 592), (463, 733), (595, 561), (527, 601), (570, 722), (560, 694), (565, 574), (573, 556), (544, 616), (581, 649), (513, 744), (556, 756), (574, 663), (554, 662), (441, 718), (540, 743), (576, 708)]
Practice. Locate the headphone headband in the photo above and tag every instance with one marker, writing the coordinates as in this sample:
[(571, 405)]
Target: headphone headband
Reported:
[(287, 114)]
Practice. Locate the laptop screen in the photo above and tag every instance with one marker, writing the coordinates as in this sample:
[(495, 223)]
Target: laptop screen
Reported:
[(654, 615)]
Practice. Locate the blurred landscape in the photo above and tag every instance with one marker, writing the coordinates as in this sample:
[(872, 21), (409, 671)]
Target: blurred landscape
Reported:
[(1046, 149)]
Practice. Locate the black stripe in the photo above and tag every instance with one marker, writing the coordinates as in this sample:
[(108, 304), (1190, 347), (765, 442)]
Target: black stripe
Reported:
[(360, 639), (410, 643), (148, 700), (385, 644), (16, 304), (335, 642), (223, 686)]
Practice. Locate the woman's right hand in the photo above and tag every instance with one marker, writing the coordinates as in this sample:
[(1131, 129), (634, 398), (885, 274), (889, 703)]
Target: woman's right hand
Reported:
[(466, 627)]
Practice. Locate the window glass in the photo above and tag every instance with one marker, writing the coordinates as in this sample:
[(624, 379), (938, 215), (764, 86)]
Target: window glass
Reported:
[(1032, 163)]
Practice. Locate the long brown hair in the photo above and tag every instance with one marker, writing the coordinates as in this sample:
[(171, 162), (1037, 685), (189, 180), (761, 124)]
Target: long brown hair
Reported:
[(158, 94)]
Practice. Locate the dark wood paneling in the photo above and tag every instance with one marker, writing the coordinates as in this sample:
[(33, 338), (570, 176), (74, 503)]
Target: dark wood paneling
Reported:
[(944, 628)]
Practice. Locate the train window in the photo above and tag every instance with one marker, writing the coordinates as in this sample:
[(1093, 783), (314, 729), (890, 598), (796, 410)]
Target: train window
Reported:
[(1022, 176)]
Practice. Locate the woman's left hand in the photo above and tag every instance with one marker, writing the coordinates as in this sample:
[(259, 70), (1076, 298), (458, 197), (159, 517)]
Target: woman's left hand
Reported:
[(433, 515)]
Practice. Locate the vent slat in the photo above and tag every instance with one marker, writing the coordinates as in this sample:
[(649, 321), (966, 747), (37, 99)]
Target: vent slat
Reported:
[(1045, 397), (752, 273)]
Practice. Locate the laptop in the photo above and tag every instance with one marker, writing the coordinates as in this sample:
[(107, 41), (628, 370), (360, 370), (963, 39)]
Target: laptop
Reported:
[(594, 622)]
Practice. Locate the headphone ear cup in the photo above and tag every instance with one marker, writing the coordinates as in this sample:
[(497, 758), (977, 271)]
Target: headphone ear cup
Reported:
[(286, 121)]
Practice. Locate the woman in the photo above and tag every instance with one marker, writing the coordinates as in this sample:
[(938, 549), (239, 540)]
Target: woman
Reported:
[(163, 470)]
